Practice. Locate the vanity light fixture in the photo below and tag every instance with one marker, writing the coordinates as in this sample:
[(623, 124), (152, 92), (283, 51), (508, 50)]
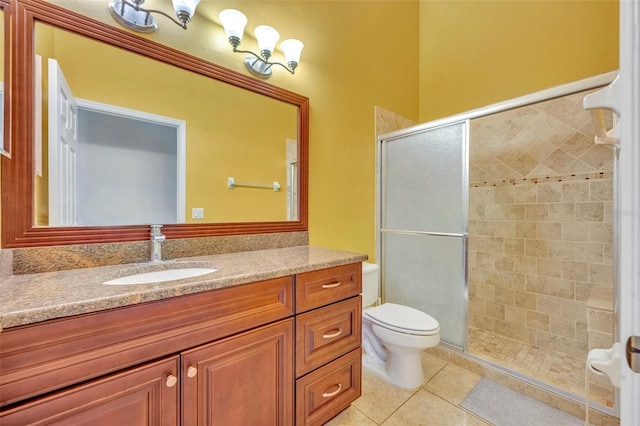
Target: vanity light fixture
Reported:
[(234, 22), (130, 14)]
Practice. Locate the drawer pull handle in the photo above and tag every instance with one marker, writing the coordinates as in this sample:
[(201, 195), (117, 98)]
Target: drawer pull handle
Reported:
[(335, 392), (171, 380), (192, 371), (333, 334), (332, 285)]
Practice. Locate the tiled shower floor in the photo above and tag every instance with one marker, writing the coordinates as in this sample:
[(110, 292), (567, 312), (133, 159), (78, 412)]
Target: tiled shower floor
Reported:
[(561, 370)]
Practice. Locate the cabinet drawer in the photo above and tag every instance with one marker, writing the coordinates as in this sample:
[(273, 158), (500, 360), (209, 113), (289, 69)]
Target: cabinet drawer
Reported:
[(318, 288), (322, 394), (325, 334)]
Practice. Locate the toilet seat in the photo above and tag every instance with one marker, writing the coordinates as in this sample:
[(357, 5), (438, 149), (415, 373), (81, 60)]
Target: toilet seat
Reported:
[(403, 319)]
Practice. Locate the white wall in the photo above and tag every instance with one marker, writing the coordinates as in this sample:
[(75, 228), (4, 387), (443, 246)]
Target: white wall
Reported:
[(127, 171)]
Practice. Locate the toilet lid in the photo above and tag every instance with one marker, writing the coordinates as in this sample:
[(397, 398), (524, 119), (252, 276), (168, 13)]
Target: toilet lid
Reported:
[(403, 318)]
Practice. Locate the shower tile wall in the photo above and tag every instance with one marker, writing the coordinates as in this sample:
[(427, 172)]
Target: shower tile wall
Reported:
[(387, 121), (540, 223)]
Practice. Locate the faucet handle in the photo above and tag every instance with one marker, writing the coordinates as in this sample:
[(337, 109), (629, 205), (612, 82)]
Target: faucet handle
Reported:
[(156, 230)]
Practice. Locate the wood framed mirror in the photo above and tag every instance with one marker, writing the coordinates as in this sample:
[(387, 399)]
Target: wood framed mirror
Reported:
[(22, 225), (5, 84)]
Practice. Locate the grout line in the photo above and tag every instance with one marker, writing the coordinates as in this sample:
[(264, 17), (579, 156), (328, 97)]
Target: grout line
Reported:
[(435, 374), (400, 406), (363, 413), (422, 387), (458, 406)]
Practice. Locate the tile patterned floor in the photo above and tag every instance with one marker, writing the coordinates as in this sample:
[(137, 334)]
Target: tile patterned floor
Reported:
[(435, 403), (556, 368)]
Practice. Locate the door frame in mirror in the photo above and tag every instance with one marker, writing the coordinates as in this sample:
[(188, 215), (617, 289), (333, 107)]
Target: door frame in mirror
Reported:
[(18, 228)]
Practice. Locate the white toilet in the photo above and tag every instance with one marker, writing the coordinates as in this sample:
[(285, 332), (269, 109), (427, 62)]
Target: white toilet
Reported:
[(393, 335)]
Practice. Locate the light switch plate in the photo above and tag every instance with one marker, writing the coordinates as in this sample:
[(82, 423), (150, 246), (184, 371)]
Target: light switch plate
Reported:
[(197, 213)]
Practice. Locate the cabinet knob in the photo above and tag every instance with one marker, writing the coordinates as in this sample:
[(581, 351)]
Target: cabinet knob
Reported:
[(171, 380), (192, 371), (332, 285), (335, 392)]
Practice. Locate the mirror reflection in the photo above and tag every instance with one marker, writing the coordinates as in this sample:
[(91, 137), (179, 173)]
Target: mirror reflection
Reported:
[(122, 139), (4, 149)]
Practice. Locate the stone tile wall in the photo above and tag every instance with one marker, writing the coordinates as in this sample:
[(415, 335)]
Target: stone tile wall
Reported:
[(535, 252), (540, 224)]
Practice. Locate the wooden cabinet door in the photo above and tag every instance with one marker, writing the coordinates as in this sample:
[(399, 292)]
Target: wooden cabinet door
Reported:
[(146, 395), (245, 379)]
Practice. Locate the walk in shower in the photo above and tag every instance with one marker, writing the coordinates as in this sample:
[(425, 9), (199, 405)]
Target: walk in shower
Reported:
[(498, 224)]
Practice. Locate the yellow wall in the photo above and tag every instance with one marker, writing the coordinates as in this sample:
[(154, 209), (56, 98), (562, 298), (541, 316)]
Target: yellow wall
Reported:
[(373, 63), (476, 53), (1, 42), (1, 79), (220, 140), (420, 60), (358, 54), (45, 47)]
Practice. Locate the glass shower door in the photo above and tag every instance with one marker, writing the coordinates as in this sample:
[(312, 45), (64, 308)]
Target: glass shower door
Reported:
[(423, 226)]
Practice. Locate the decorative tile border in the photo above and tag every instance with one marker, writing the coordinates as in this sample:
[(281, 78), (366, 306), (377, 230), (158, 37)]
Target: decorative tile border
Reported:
[(542, 179)]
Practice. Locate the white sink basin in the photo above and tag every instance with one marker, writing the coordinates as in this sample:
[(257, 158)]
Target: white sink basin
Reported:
[(160, 276)]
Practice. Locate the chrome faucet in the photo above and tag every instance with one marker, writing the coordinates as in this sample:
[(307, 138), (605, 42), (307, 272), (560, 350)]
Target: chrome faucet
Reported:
[(156, 243)]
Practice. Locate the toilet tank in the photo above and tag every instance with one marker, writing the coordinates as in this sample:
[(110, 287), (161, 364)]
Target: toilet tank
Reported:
[(370, 284)]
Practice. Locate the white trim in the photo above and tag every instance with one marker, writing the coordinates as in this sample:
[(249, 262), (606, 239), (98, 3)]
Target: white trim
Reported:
[(37, 116), (291, 148), (181, 141), (629, 214), (543, 95)]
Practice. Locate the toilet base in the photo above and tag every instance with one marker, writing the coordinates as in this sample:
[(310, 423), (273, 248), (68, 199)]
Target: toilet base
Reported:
[(379, 368)]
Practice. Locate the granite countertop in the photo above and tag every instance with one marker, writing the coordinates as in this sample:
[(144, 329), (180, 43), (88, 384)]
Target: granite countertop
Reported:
[(32, 298)]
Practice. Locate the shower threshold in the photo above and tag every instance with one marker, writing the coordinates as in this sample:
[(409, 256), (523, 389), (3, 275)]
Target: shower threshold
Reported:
[(555, 368)]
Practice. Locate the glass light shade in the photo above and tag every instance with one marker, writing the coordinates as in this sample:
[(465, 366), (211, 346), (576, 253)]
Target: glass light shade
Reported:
[(233, 22), (267, 37), (292, 49), (188, 6)]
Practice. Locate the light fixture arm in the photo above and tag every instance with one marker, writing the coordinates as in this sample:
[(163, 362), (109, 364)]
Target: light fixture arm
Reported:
[(184, 17), (268, 64), (131, 14)]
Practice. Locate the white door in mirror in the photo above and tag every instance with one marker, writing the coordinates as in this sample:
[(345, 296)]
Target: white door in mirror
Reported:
[(160, 276), (63, 149)]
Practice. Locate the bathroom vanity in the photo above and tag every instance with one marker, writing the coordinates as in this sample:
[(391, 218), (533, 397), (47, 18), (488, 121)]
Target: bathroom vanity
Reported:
[(272, 337)]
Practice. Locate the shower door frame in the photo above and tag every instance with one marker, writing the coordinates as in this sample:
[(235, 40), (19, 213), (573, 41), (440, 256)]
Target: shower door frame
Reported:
[(464, 235), (543, 95)]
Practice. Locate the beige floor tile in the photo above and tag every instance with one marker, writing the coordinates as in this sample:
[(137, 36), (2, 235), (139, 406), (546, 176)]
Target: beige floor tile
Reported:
[(379, 399), (351, 417), (425, 409), (452, 383), (431, 365)]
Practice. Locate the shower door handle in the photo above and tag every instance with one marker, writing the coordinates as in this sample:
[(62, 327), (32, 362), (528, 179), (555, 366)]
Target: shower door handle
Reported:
[(633, 353)]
